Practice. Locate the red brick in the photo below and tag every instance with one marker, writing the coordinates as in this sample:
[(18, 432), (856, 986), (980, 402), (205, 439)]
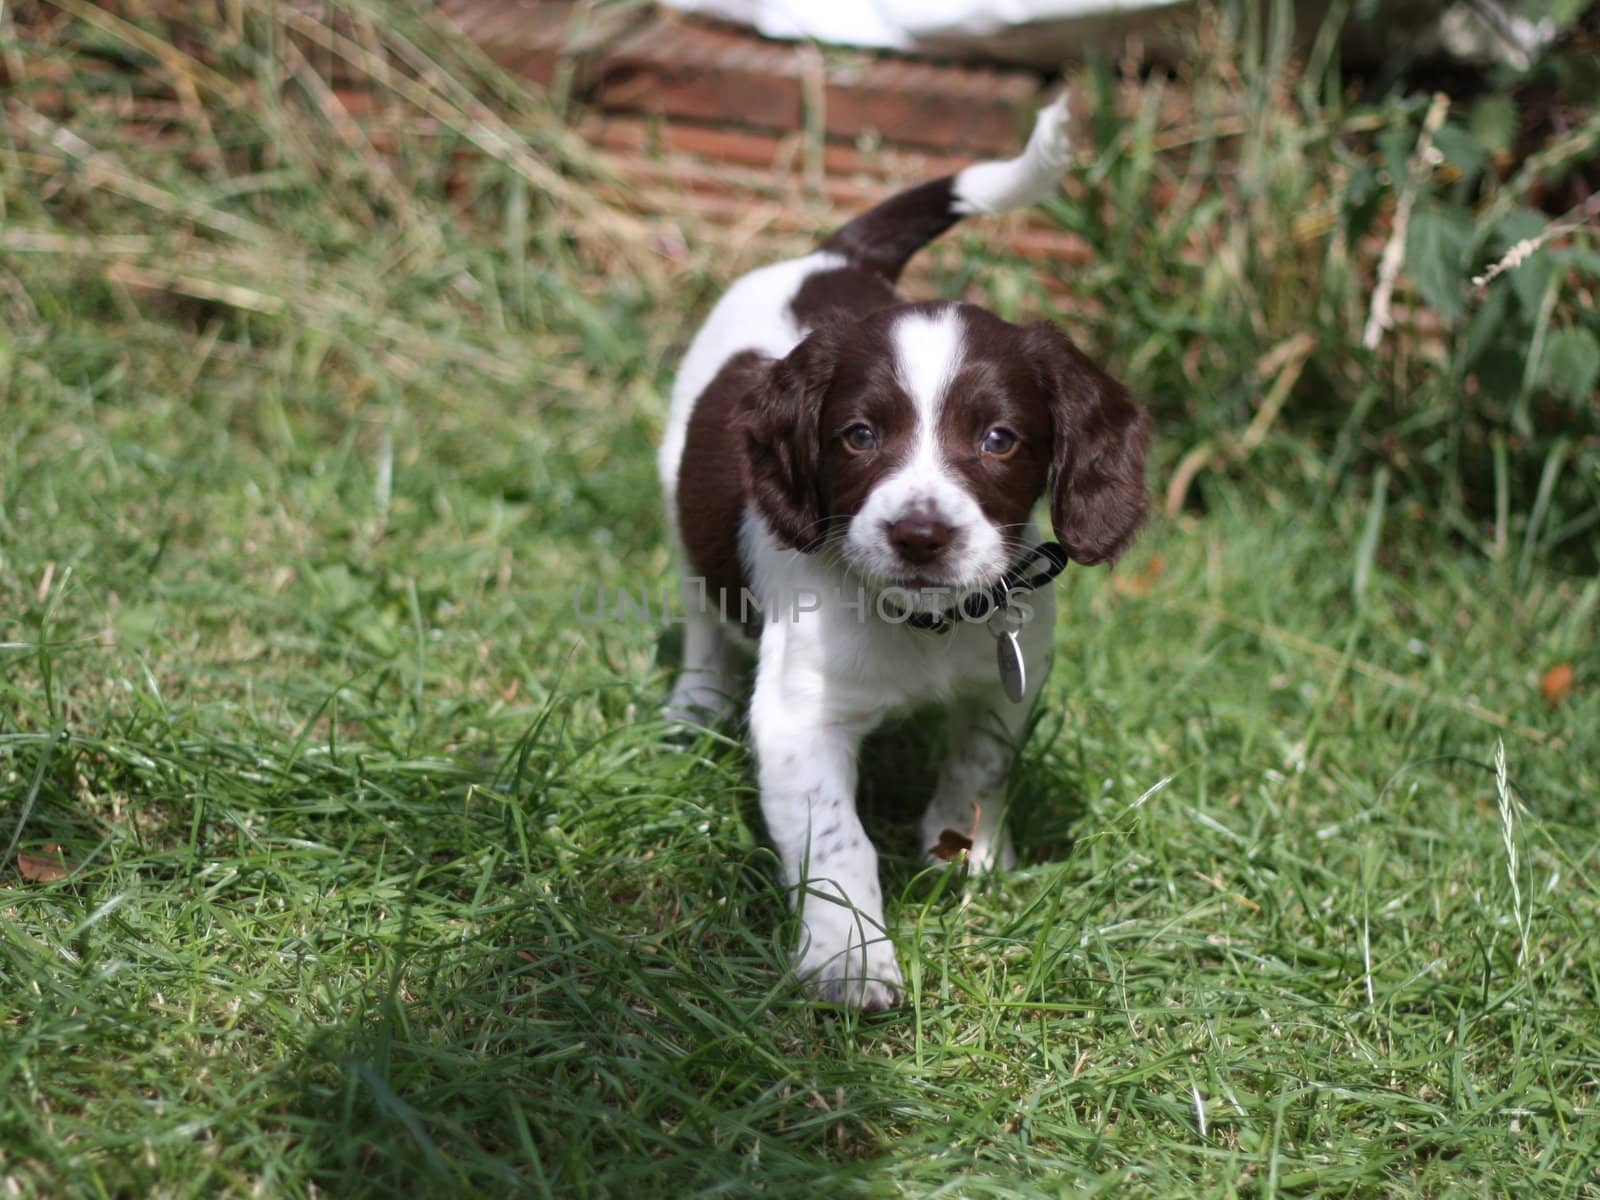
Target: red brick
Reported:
[(680, 69)]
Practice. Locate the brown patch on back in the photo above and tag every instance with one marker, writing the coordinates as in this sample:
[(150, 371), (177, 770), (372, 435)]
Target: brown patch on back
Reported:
[(711, 490), (840, 293)]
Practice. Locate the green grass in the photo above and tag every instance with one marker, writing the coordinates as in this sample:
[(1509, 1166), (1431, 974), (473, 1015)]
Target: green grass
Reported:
[(385, 879)]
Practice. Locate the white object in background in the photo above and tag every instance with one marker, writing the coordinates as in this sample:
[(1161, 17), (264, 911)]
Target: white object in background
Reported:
[(1049, 29), (1046, 33)]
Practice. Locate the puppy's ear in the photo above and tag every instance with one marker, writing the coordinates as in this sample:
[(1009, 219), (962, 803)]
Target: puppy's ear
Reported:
[(778, 429), (1099, 432)]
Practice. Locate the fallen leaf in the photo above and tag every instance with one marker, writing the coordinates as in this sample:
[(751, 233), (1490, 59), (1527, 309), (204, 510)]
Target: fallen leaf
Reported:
[(952, 845), (1557, 684), (49, 867)]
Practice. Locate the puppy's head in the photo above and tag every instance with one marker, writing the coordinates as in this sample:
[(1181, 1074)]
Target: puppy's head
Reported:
[(914, 443)]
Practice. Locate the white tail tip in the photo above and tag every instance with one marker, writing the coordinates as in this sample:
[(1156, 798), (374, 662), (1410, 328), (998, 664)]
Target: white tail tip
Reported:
[(999, 186)]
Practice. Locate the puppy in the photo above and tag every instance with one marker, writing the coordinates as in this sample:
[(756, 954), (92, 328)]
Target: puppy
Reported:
[(851, 479)]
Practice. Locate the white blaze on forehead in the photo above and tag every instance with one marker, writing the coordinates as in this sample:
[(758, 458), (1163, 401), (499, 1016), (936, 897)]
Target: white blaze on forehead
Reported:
[(927, 351)]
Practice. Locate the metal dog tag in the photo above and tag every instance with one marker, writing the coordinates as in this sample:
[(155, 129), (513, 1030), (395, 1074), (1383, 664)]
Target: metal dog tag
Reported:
[(1008, 657)]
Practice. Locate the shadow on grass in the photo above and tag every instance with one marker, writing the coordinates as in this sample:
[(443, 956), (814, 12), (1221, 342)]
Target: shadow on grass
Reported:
[(557, 1021), (467, 982), (627, 1023), (563, 1055)]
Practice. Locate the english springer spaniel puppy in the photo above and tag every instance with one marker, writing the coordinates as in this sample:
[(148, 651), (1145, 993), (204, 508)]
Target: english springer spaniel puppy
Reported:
[(852, 479)]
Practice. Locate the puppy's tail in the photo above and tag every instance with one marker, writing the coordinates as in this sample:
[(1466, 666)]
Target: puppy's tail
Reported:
[(882, 239)]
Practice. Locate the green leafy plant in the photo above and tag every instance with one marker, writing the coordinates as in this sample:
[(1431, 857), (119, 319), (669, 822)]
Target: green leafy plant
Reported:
[(1323, 284)]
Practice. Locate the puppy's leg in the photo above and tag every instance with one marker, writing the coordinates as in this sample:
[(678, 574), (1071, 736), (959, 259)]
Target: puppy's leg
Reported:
[(707, 690), (807, 770), (969, 801)]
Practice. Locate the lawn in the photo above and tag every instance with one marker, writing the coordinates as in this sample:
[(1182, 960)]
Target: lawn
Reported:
[(341, 858)]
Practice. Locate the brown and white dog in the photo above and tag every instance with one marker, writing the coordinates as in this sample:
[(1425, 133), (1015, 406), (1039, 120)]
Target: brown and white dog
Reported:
[(847, 474)]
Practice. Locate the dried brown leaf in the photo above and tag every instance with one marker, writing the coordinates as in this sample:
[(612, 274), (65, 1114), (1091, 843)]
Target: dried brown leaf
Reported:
[(48, 866), (952, 846), (1557, 685)]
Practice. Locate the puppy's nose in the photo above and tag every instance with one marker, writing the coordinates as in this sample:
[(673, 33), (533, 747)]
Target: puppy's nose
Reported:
[(919, 539)]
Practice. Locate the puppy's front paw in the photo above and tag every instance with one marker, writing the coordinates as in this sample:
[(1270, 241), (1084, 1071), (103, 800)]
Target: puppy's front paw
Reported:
[(852, 973)]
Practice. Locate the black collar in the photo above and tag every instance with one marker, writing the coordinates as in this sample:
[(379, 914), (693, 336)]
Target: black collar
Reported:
[(981, 605)]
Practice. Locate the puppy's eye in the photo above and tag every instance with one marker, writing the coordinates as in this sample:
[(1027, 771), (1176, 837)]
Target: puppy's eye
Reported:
[(860, 438), (999, 442)]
